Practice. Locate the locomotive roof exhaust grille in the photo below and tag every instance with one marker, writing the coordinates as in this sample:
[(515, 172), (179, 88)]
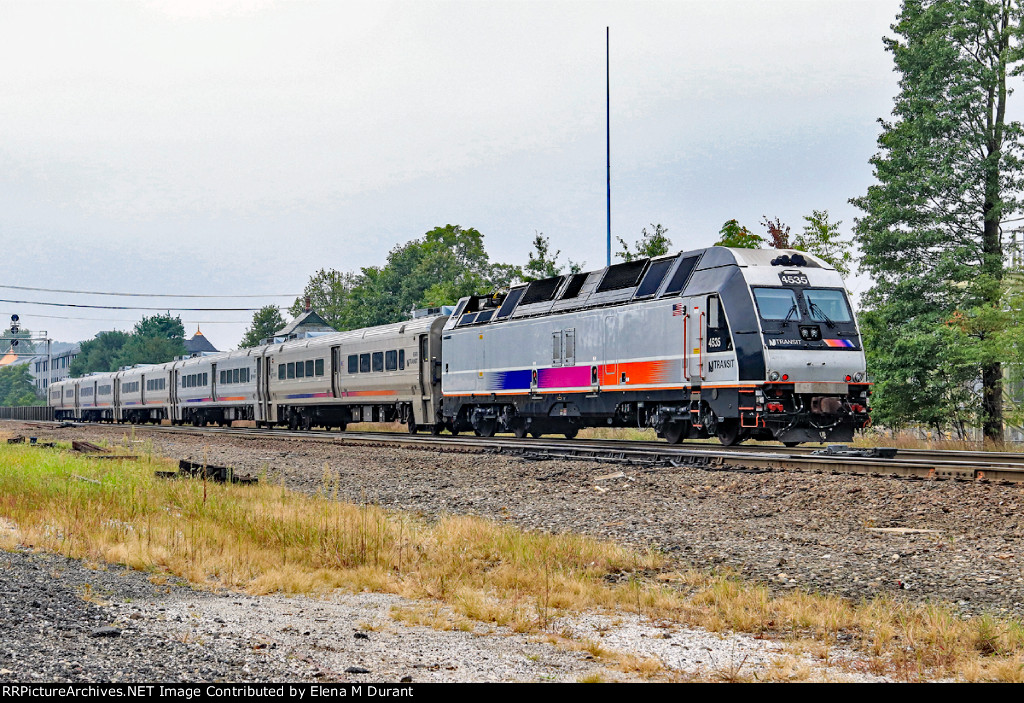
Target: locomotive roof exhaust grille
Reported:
[(542, 291), (625, 275), (653, 278), (510, 303), (575, 285), (682, 275)]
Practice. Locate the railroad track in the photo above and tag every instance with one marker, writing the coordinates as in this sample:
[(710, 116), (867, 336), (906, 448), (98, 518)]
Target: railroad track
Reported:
[(925, 464)]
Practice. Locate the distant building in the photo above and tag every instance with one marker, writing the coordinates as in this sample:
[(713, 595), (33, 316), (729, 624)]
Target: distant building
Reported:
[(56, 370), (199, 345), (308, 324)]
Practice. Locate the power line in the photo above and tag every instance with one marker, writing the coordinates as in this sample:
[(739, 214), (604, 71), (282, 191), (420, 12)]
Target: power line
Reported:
[(127, 307), (147, 295), (112, 319)]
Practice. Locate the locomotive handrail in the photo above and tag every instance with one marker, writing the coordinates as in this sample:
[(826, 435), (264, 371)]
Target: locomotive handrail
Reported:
[(700, 344), (686, 346)]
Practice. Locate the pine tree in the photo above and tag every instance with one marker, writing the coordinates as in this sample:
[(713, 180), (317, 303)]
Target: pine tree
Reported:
[(948, 172)]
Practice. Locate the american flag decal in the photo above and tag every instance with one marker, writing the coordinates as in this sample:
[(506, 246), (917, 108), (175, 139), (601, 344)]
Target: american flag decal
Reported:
[(677, 310)]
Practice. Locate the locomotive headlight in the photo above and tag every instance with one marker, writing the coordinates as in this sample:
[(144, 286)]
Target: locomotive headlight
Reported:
[(773, 376), (858, 377)]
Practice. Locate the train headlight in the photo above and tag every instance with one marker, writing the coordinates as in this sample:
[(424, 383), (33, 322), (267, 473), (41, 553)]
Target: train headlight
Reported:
[(858, 377), (773, 376)]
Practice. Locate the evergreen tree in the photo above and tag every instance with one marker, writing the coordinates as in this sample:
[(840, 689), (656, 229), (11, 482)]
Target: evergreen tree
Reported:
[(948, 174)]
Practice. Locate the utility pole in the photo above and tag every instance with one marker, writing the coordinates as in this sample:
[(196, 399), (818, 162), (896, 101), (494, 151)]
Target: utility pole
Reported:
[(608, 133)]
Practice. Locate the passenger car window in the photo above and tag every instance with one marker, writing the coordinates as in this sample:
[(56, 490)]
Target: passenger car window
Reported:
[(378, 361), (309, 369), (319, 367), (291, 369), (300, 370), (364, 363), (353, 363), (391, 360)]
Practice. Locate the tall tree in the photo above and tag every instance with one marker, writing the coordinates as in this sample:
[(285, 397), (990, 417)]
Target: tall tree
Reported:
[(437, 269), (17, 387), (778, 233), (542, 263), (821, 238), (735, 235), (650, 244), (155, 340), (328, 293), (265, 322), (99, 353), (948, 171)]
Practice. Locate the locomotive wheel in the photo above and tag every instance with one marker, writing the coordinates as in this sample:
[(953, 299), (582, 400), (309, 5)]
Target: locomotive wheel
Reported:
[(412, 424), (792, 444), (293, 421), (729, 433), (536, 435), (486, 428), (571, 434), (436, 428), (519, 430), (673, 432), (307, 422)]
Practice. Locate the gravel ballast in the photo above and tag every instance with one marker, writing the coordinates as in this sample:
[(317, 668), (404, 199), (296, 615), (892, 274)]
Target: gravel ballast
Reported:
[(788, 529)]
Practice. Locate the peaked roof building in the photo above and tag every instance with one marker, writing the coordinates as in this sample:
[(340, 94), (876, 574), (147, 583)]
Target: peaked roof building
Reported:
[(199, 344), (301, 326)]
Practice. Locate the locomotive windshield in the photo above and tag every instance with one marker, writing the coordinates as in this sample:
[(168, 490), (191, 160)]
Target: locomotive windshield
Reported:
[(777, 303), (827, 305)]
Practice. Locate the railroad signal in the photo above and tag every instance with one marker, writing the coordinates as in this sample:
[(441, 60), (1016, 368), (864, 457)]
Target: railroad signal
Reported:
[(14, 324)]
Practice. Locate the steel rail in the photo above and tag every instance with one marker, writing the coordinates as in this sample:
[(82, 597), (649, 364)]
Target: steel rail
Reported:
[(928, 464)]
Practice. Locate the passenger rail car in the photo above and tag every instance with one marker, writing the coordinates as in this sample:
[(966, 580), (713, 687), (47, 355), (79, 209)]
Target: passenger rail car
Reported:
[(379, 374), (727, 343), (387, 373)]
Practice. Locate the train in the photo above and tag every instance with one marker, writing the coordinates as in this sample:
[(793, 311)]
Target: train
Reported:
[(726, 343)]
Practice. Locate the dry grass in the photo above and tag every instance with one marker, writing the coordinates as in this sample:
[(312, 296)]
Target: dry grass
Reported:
[(267, 538), (932, 441)]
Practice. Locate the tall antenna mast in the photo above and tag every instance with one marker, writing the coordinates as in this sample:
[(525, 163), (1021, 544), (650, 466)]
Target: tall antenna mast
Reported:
[(608, 137)]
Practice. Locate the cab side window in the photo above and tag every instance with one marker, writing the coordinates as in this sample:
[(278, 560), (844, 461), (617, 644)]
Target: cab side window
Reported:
[(718, 335)]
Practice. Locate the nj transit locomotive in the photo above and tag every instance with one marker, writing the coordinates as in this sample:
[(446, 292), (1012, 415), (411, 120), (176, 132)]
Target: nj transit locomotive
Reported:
[(717, 342)]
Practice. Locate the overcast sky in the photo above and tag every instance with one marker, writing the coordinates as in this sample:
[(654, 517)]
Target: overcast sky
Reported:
[(235, 147)]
